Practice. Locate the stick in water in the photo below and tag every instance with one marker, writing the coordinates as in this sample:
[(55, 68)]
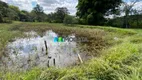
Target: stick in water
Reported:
[(48, 64), (54, 62), (80, 59), (46, 47)]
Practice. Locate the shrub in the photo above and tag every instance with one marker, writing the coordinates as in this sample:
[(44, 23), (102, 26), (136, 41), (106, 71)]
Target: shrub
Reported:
[(69, 20)]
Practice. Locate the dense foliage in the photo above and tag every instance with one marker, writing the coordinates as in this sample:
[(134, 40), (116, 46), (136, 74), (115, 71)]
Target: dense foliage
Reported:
[(135, 21), (4, 10), (93, 11), (70, 20), (10, 12)]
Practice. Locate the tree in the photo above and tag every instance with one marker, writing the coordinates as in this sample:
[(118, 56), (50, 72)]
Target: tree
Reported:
[(93, 11), (24, 16), (3, 11), (60, 13), (137, 18), (70, 20), (39, 13), (33, 16), (51, 17), (8, 12), (127, 9), (14, 12)]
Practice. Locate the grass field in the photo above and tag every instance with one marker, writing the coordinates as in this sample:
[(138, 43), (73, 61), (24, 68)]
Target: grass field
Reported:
[(117, 53)]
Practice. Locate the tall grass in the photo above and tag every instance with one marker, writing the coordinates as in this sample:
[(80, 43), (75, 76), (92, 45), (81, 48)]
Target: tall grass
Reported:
[(6, 35)]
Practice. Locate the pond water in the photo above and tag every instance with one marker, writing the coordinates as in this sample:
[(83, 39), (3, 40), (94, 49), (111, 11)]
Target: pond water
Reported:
[(37, 51)]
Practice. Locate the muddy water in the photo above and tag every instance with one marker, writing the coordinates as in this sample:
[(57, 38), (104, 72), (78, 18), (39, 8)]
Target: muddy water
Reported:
[(38, 51)]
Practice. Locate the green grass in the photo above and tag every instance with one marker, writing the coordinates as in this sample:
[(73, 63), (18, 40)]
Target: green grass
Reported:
[(6, 35), (119, 59)]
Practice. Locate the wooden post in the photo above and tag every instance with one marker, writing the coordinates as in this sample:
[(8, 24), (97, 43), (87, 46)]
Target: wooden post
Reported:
[(48, 61), (54, 62), (48, 64), (80, 59), (46, 47)]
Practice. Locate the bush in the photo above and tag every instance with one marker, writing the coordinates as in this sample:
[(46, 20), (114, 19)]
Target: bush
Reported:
[(7, 20), (70, 20), (133, 22)]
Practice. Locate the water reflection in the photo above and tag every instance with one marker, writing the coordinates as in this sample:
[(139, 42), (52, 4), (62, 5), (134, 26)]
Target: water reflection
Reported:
[(41, 51)]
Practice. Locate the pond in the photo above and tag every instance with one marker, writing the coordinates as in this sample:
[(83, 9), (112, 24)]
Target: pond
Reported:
[(41, 51)]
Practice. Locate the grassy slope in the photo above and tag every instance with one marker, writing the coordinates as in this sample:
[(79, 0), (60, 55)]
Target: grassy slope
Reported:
[(121, 61)]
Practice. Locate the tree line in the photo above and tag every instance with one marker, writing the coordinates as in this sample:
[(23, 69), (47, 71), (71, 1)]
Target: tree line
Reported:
[(90, 12), (93, 12), (9, 13)]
